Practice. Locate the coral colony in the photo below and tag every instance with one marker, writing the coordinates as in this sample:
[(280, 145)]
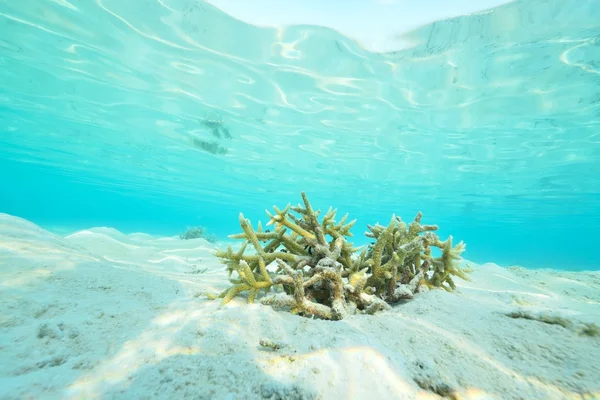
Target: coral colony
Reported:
[(318, 273)]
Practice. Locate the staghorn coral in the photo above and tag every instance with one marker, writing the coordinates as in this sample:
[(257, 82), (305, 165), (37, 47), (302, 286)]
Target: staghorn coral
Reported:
[(322, 274)]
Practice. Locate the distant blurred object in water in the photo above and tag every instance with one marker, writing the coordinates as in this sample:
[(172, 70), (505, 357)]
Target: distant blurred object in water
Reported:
[(219, 131), (197, 232), (212, 147), (217, 128)]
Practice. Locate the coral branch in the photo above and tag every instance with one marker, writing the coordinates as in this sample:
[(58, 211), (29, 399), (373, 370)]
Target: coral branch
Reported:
[(320, 274)]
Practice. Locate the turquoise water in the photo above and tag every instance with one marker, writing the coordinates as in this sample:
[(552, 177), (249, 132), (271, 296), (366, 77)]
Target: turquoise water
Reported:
[(156, 115)]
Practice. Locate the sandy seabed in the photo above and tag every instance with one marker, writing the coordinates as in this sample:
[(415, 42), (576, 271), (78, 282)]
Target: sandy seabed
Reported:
[(99, 314)]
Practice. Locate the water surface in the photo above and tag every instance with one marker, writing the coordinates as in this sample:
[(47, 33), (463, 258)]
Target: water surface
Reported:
[(158, 114)]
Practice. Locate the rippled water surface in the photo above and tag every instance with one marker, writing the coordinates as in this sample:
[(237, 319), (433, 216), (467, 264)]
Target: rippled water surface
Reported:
[(489, 123)]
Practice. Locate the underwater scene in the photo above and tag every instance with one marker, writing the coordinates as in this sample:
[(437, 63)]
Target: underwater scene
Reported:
[(193, 206)]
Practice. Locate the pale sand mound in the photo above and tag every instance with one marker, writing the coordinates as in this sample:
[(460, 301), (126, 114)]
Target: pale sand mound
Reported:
[(101, 314)]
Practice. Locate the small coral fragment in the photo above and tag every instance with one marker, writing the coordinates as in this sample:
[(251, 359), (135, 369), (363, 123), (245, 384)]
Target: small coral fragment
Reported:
[(321, 274), (546, 318), (590, 329)]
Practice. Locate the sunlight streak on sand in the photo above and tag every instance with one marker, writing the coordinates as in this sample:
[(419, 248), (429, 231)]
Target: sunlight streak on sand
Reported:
[(136, 319)]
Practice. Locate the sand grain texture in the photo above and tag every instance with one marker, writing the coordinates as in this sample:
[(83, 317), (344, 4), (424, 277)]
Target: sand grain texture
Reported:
[(104, 315)]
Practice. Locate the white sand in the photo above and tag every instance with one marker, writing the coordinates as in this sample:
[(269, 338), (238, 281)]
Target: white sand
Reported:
[(100, 314)]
